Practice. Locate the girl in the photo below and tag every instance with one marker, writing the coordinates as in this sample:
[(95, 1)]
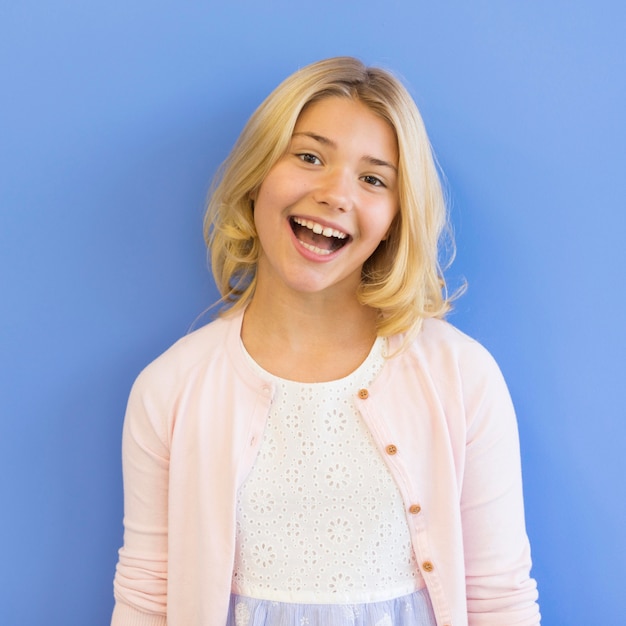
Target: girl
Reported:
[(328, 451)]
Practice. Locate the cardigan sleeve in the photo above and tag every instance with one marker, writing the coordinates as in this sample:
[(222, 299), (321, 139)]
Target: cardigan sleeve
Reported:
[(140, 584), (499, 588)]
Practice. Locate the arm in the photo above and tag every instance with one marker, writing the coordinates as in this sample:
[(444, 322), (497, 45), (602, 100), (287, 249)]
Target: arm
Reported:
[(140, 584), (497, 553)]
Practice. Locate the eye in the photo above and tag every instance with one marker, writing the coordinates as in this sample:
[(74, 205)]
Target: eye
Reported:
[(309, 158), (372, 180)]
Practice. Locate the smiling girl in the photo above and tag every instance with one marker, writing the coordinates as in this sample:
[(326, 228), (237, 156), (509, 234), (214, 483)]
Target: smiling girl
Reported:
[(329, 451)]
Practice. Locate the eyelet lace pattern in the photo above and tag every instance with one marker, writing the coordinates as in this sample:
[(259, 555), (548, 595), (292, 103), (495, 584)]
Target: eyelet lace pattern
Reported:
[(320, 519)]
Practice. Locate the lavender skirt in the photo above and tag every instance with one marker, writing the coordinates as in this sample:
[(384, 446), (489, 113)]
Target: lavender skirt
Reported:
[(414, 609)]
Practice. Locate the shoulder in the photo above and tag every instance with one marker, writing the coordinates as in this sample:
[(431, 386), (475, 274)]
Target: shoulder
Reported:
[(445, 363), (193, 369), (440, 341), (453, 362), (198, 350)]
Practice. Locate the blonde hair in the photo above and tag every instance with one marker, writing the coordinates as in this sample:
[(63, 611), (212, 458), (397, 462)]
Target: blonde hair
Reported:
[(403, 279)]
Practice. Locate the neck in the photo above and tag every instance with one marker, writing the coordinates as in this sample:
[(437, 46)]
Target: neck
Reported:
[(308, 337)]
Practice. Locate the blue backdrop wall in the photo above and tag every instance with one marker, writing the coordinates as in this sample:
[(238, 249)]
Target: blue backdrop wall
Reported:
[(114, 115)]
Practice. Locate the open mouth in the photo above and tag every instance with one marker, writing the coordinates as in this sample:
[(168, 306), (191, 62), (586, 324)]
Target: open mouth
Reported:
[(317, 238)]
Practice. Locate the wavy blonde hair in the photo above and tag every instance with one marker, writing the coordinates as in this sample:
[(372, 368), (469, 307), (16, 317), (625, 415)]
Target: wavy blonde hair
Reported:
[(403, 279)]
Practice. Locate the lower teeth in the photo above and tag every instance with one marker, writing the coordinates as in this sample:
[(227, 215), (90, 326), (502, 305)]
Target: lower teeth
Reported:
[(315, 249)]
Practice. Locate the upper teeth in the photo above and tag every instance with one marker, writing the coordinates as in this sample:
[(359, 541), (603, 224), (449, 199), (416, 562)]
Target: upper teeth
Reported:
[(318, 229)]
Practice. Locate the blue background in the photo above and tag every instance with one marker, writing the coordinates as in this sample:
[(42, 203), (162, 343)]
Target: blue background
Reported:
[(114, 115)]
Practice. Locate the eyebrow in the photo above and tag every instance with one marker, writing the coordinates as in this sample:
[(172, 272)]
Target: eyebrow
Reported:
[(329, 142)]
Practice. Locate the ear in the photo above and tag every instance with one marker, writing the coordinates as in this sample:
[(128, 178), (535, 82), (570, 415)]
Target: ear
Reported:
[(252, 198)]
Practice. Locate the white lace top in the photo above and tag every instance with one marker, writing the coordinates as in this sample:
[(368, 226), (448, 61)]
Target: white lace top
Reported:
[(319, 518)]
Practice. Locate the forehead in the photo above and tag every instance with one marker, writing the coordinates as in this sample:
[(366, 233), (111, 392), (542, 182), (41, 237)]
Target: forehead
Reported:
[(346, 119)]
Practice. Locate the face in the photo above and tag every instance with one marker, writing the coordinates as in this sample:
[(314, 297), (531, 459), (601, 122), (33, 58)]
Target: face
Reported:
[(329, 201)]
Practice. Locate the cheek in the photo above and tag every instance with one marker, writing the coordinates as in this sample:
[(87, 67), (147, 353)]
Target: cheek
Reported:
[(385, 218), (272, 193), (264, 200), (270, 205)]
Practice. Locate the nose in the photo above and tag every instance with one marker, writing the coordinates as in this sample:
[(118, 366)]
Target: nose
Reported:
[(336, 190)]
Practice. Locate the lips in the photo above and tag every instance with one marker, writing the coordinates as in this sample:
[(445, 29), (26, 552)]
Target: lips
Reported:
[(316, 237)]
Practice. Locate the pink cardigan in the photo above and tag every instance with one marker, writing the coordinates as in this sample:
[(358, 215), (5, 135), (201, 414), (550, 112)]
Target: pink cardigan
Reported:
[(441, 416)]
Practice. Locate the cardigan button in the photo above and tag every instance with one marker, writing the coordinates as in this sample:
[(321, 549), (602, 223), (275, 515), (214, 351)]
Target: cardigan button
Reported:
[(427, 566), (391, 449), (364, 394), (415, 509)]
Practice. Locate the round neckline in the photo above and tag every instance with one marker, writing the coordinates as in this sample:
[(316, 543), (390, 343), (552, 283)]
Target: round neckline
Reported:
[(379, 349)]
